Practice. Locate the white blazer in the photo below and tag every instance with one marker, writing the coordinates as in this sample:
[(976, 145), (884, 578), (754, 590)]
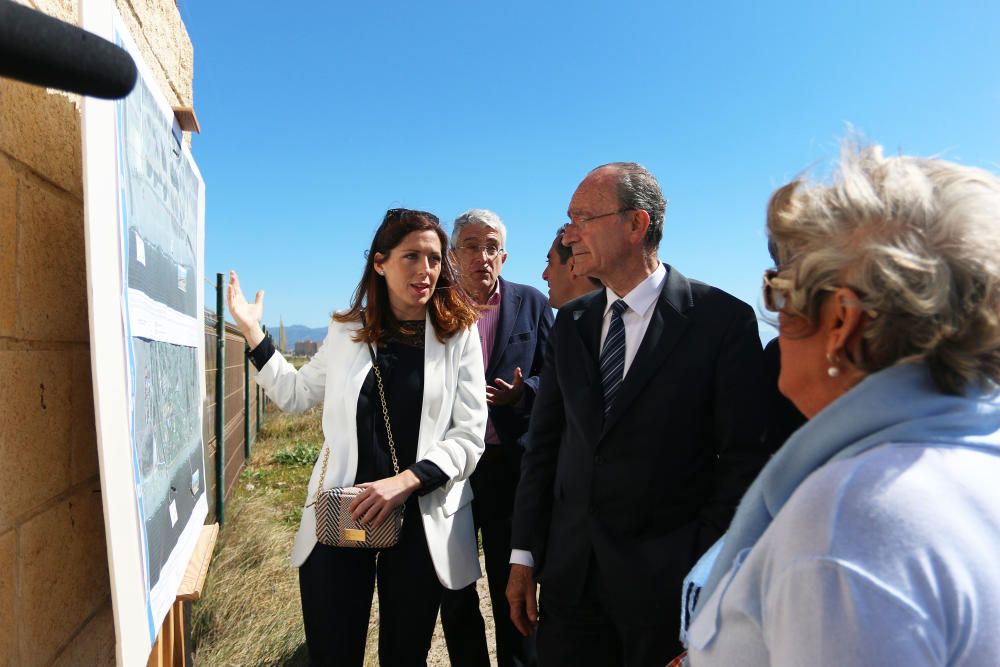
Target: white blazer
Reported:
[(452, 424)]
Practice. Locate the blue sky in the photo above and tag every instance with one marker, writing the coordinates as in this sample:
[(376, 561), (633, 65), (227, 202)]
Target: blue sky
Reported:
[(317, 117)]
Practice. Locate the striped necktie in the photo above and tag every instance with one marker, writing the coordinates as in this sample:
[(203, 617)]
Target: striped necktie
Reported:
[(613, 355)]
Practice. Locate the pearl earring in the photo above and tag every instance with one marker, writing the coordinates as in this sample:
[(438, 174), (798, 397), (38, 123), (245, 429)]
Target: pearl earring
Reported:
[(833, 371)]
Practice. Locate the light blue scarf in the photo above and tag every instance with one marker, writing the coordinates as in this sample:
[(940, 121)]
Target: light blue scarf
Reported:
[(898, 404)]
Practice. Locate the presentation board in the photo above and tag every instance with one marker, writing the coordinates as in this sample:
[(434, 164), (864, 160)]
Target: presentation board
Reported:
[(144, 202)]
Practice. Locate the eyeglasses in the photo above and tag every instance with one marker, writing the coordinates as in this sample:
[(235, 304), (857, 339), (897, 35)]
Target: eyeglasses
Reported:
[(776, 293), (582, 222), (490, 249)]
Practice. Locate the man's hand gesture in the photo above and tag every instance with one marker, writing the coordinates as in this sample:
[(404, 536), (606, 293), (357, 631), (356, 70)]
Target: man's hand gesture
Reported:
[(503, 393)]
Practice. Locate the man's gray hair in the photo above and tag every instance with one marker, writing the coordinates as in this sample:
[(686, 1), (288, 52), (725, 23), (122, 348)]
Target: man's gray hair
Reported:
[(918, 239), (480, 217), (638, 190)]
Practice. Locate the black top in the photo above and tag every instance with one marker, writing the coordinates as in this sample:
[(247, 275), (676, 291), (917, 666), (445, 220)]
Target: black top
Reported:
[(401, 363)]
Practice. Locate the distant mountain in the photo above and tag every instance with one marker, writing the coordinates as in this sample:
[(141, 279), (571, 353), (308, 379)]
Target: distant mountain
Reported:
[(296, 332)]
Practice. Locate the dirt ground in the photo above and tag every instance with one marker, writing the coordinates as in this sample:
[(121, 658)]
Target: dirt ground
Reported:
[(438, 655)]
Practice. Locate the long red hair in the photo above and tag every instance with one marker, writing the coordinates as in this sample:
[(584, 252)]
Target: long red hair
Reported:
[(451, 310)]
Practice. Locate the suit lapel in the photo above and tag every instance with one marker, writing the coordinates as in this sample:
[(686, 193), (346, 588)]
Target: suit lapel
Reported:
[(588, 319), (581, 355), (665, 328), (510, 306)]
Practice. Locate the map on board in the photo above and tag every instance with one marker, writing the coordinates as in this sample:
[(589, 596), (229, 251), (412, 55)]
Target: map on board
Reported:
[(160, 200), (144, 225)]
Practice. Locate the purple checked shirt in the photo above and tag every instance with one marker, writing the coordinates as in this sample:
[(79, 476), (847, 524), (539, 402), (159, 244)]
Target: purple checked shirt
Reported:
[(487, 324)]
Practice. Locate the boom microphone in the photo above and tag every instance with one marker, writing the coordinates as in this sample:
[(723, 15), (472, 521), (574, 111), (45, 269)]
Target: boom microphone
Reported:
[(44, 51)]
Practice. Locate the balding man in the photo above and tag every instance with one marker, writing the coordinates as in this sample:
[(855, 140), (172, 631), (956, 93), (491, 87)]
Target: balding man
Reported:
[(644, 435)]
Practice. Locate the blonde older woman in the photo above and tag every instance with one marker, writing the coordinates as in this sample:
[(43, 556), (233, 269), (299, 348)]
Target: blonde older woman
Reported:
[(872, 537)]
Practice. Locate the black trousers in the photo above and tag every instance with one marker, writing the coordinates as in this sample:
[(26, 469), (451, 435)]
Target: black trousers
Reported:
[(336, 585), (599, 630), (494, 483)]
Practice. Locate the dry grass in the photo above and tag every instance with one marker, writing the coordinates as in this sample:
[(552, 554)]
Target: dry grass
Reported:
[(249, 614)]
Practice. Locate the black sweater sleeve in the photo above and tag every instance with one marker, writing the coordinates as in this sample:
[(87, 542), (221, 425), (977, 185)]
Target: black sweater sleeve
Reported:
[(260, 355), (430, 476)]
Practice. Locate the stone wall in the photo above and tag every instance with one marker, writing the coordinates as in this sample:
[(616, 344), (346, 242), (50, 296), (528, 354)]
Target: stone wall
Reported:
[(55, 596)]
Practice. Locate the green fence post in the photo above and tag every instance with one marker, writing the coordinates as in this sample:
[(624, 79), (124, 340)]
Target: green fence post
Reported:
[(220, 400), (246, 401), (257, 391), (262, 404)]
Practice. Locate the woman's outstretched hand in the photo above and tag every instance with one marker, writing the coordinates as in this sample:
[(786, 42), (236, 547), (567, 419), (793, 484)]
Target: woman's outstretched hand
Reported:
[(246, 314)]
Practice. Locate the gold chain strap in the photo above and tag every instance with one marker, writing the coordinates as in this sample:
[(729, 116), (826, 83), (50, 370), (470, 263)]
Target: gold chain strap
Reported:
[(322, 475), (388, 430)]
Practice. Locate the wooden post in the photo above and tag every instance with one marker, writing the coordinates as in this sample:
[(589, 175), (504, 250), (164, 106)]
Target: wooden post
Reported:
[(169, 649)]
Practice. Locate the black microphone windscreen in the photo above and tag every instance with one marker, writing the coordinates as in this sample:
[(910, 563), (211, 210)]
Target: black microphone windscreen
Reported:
[(44, 51)]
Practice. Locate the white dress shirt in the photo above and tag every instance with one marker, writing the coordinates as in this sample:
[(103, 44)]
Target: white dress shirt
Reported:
[(641, 304), (641, 301)]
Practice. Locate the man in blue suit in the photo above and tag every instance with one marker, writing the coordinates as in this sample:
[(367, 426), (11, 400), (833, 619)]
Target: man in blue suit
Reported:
[(513, 327)]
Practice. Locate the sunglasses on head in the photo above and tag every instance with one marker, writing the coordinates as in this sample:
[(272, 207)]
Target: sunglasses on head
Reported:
[(395, 214), (775, 291)]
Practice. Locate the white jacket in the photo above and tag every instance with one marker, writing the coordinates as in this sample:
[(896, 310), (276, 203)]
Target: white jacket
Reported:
[(452, 424)]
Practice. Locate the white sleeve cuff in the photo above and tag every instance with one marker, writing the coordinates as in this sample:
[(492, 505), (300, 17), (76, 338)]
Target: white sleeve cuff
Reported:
[(521, 557)]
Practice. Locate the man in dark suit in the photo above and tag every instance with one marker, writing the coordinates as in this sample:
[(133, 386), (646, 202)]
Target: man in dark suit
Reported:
[(513, 327), (644, 435), (783, 418)]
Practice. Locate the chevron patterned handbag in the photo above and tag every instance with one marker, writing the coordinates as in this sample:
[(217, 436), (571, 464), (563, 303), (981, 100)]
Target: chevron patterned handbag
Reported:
[(334, 524)]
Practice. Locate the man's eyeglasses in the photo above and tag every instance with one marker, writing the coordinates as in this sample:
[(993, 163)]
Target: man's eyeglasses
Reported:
[(491, 250), (582, 222)]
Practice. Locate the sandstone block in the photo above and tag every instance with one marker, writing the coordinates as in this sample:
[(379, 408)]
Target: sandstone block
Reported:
[(35, 411), (94, 645), (8, 248), (148, 51), (83, 458), (8, 599), (64, 574), (41, 128), (51, 265), (64, 10), (167, 41)]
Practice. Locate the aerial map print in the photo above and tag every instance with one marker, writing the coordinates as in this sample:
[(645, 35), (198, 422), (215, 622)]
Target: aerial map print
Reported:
[(160, 200)]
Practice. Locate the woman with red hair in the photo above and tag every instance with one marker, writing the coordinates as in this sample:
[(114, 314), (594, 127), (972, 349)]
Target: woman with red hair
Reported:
[(409, 436)]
